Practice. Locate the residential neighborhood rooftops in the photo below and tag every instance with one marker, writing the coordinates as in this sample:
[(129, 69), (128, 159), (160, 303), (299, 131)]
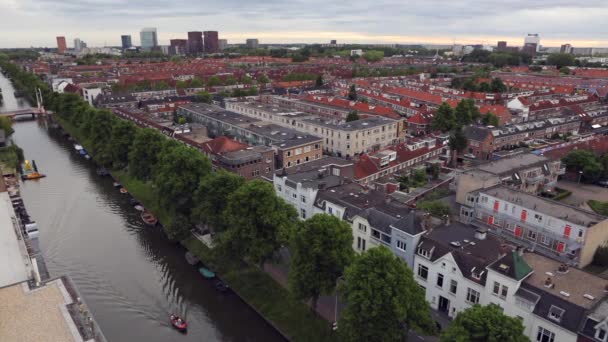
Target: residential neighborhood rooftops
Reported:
[(510, 165), (545, 206), (316, 165), (361, 124), (573, 285), (352, 196)]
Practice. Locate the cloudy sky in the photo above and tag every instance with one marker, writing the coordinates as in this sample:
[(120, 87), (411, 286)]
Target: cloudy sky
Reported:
[(26, 23)]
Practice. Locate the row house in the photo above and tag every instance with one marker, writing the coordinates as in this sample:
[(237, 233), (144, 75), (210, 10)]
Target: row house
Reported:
[(344, 139), (400, 158), (568, 234), (250, 162), (526, 172), (459, 266), (292, 147)]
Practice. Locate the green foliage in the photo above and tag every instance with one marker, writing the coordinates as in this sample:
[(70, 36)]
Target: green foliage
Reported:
[(11, 157), (239, 92), (143, 155), (321, 249), (120, 141), (352, 116), (585, 161), (458, 141), (490, 120), (434, 207), (381, 295), (599, 207), (263, 79), (497, 86), (203, 96), (498, 59), (444, 118), (214, 81), (600, 258), (299, 58), (319, 82), (211, 198), (352, 93), (560, 60), (299, 76), (196, 83), (6, 124), (484, 323), (373, 55), (258, 222)]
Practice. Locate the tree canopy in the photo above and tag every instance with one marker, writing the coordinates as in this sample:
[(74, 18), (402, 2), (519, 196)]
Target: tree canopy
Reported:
[(373, 55), (321, 248), (143, 155), (587, 162), (352, 93), (560, 60), (484, 323), (352, 116), (381, 296), (211, 198), (444, 118)]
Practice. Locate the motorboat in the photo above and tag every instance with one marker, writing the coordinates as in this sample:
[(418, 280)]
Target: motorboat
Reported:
[(29, 171), (117, 185), (139, 207), (178, 323), (221, 286), (123, 191), (148, 218), (207, 273)]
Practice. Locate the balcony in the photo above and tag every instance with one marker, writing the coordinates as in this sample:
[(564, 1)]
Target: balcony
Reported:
[(535, 179)]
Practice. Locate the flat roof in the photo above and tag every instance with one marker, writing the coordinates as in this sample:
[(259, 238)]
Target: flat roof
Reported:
[(575, 283), (14, 259), (512, 164), (366, 123), (545, 206), (36, 315), (276, 109)]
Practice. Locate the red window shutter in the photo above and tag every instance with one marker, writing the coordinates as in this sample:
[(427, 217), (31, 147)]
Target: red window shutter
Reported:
[(496, 206), (490, 219), (567, 231), (561, 246), (518, 231), (524, 215)]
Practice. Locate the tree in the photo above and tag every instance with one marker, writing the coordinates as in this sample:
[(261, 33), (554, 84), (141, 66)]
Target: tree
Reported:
[(319, 81), (484, 87), (490, 120), (381, 295), (560, 60), (119, 143), (263, 79), (214, 81), (352, 116), (196, 83), (246, 79), (211, 198), (444, 118), (497, 86), (229, 81), (458, 143), (321, 249), (259, 222), (585, 161), (373, 55), (177, 175), (352, 93), (435, 207), (203, 96), (462, 113), (7, 125), (144, 152), (484, 323)]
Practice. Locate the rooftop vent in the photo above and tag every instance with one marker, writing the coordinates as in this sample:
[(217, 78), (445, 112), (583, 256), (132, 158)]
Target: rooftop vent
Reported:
[(456, 243), (564, 293), (549, 283), (588, 296)]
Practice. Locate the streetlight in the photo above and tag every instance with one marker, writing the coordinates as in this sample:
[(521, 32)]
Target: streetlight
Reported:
[(580, 174)]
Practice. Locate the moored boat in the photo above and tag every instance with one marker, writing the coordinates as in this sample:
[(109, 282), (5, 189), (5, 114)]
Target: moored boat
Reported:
[(123, 191), (139, 207), (117, 185), (148, 218), (102, 172), (191, 259), (221, 286), (29, 171), (207, 273)]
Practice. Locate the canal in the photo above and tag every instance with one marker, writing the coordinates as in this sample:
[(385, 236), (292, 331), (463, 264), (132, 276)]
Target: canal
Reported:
[(131, 277)]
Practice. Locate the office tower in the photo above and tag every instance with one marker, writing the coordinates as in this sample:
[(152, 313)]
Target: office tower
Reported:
[(333, 42), (566, 48), (211, 41), (126, 41), (502, 46), (195, 42), (178, 46), (148, 38), (532, 38), (77, 44), (61, 45), (223, 43), (252, 43)]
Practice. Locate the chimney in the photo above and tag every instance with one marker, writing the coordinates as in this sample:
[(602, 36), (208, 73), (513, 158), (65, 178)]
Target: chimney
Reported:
[(549, 283), (481, 233)]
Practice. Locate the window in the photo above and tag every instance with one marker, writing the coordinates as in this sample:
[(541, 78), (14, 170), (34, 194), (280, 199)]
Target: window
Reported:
[(531, 235), (303, 213), (453, 286), (375, 234), (484, 199), (556, 313), (600, 334), (303, 198), (298, 151), (307, 149), (496, 289), (504, 291), (335, 172), (279, 188), (362, 227), (289, 153), (401, 245), (538, 218), (545, 240), (472, 296), (338, 214), (545, 335), (439, 279), (423, 272), (423, 252), (294, 195), (360, 244)]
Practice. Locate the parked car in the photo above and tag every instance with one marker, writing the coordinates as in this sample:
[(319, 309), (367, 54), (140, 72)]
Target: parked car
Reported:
[(603, 183)]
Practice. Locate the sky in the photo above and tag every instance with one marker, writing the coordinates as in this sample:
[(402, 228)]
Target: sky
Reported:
[(25, 23)]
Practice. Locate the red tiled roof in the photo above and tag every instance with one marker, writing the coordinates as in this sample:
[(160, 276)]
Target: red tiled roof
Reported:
[(222, 145), (415, 94), (360, 107), (502, 112)]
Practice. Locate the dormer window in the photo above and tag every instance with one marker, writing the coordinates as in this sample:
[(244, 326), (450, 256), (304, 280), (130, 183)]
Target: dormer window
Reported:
[(423, 252), (556, 313), (601, 334)]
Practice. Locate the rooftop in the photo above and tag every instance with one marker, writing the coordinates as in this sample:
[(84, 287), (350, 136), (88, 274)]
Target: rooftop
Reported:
[(545, 206), (353, 125), (574, 286), (14, 259), (509, 165)]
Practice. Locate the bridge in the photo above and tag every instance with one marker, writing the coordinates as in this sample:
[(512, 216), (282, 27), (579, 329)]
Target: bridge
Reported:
[(33, 112)]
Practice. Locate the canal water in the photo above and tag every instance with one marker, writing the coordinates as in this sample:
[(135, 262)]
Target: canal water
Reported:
[(131, 277)]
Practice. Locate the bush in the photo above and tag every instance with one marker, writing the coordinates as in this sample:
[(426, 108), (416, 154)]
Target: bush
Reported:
[(435, 207), (599, 207), (601, 256)]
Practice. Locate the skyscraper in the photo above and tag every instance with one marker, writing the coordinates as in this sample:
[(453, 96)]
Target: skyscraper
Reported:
[(61, 45), (148, 38), (126, 41), (195, 42), (212, 44), (532, 39), (252, 43), (77, 44), (178, 46), (223, 43)]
